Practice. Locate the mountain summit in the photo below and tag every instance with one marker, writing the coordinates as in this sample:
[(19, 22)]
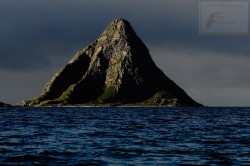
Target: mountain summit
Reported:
[(116, 69)]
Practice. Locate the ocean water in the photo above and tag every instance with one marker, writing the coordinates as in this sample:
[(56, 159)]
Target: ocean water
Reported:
[(125, 136)]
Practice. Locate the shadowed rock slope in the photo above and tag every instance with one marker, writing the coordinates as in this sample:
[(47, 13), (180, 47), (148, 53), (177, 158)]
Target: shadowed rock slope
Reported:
[(116, 69)]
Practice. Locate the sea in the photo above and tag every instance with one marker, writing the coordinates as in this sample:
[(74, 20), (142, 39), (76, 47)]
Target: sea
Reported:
[(124, 136)]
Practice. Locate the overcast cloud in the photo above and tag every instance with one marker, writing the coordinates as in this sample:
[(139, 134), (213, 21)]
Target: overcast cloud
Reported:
[(39, 37)]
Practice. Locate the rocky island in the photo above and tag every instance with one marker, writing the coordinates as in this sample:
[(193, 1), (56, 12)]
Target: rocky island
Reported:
[(116, 69), (4, 105)]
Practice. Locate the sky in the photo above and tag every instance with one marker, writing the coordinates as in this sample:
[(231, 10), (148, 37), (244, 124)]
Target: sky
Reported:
[(37, 38)]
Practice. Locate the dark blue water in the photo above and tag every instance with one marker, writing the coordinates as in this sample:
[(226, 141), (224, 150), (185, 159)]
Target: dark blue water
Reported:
[(125, 136)]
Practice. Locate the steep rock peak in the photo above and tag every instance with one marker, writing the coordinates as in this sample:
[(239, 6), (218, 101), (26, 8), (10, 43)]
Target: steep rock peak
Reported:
[(120, 22), (118, 27), (120, 39), (117, 68)]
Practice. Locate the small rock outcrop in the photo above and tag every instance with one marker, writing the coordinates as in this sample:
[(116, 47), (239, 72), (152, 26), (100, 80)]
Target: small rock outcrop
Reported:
[(4, 105), (116, 69)]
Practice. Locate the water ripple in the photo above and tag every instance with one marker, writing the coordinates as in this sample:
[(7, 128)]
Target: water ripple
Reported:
[(124, 136)]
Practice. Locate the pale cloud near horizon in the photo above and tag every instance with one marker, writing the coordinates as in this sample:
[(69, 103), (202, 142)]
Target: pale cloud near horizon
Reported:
[(211, 78)]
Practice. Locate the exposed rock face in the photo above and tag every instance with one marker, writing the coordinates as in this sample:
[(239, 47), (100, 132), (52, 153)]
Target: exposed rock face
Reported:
[(116, 69), (4, 105)]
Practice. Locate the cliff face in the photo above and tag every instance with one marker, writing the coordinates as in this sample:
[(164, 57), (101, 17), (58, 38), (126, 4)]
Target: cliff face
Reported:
[(116, 69)]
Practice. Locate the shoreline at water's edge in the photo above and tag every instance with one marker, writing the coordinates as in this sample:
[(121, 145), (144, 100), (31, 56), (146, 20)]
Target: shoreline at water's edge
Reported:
[(120, 106), (107, 106)]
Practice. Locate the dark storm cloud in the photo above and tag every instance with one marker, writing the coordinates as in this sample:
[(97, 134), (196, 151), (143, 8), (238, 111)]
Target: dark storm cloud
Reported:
[(33, 32)]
